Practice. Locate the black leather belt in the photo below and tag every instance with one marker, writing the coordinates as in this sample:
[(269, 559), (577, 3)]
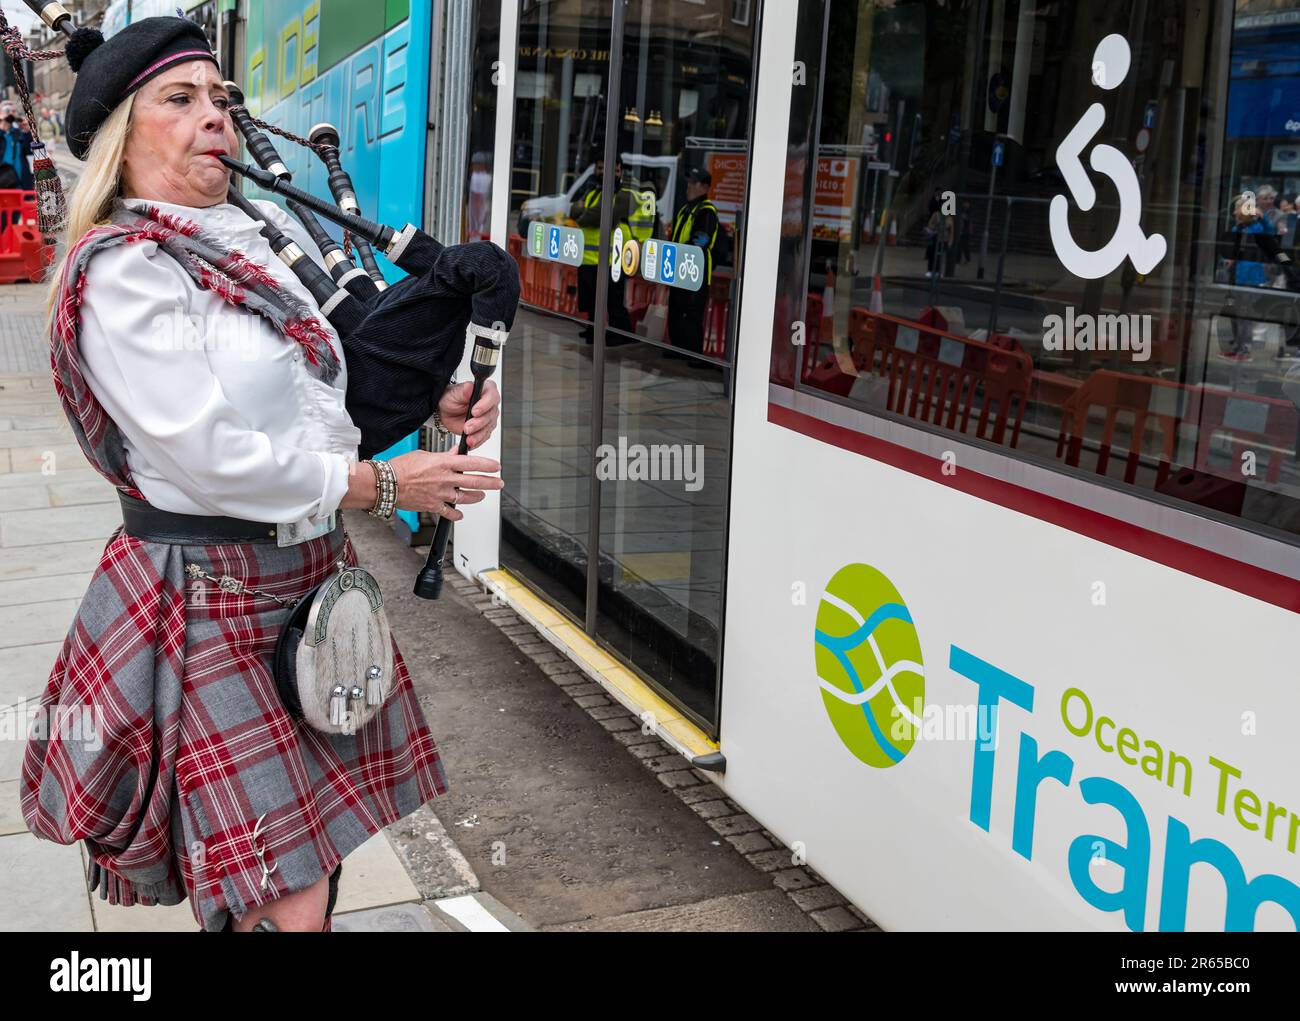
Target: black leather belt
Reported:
[(149, 524)]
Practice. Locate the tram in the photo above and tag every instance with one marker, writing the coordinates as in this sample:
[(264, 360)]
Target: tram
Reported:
[(902, 418)]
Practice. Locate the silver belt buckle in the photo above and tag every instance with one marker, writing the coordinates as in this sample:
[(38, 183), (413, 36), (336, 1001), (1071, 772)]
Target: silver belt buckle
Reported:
[(290, 533)]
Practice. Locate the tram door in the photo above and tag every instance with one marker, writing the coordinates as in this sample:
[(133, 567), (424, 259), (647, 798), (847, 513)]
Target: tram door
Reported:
[(628, 180)]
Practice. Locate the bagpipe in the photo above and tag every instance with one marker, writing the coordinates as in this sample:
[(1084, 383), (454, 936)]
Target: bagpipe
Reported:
[(401, 343)]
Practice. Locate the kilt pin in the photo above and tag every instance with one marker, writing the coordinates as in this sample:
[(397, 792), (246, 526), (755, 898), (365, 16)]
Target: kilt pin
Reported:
[(192, 779)]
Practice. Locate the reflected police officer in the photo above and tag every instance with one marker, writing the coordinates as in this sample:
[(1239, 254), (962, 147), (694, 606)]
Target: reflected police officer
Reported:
[(586, 213), (696, 223)]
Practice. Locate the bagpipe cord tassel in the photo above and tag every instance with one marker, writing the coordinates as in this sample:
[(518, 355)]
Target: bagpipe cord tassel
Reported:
[(51, 205)]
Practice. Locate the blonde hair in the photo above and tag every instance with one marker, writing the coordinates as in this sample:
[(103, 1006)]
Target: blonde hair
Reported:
[(91, 200)]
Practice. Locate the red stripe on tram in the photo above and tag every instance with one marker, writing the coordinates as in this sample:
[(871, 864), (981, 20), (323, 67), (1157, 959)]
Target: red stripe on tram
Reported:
[(1247, 579)]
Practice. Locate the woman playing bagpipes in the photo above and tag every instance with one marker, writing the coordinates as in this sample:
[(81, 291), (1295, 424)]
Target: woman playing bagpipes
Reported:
[(203, 382)]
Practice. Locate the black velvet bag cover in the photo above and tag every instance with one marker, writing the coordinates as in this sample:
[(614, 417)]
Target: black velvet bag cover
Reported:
[(402, 355)]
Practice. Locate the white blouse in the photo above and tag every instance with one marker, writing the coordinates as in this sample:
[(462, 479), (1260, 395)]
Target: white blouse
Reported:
[(218, 411)]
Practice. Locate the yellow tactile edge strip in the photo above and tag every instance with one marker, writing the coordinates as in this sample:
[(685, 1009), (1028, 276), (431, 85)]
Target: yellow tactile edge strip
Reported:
[(620, 683)]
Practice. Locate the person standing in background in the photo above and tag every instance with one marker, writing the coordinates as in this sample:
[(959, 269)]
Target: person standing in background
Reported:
[(586, 214), (17, 148), (478, 213), (965, 233), (696, 223)]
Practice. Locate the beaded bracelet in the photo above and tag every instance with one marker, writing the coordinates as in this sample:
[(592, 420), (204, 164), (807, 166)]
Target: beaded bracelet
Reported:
[(443, 431), (385, 490)]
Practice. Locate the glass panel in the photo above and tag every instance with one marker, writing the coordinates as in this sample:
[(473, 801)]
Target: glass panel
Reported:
[(559, 100), (682, 172), (663, 464), (790, 331), (664, 449), (1065, 230), (546, 457), (559, 124), (476, 223)]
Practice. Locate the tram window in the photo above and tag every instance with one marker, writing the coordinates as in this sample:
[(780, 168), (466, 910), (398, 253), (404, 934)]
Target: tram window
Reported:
[(476, 209), (1126, 307), (680, 177)]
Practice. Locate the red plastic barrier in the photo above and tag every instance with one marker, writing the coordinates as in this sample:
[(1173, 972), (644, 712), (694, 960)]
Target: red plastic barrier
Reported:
[(812, 335), (23, 252), (1265, 426), (716, 314), (549, 285), (937, 376)]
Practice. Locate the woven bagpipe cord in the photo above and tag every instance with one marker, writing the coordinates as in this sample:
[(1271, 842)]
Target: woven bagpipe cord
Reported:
[(306, 144), (52, 208)]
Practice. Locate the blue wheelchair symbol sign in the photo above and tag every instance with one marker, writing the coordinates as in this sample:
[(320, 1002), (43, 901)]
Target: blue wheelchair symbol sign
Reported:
[(553, 246), (998, 149), (668, 264)]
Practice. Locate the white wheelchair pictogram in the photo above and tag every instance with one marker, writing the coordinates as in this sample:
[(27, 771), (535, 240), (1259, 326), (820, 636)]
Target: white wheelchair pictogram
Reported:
[(1110, 66)]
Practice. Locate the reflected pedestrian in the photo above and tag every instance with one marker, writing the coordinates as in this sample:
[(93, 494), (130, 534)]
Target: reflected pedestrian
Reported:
[(696, 223)]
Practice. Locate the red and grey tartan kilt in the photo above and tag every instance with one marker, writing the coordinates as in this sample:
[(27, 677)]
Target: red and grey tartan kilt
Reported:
[(189, 744)]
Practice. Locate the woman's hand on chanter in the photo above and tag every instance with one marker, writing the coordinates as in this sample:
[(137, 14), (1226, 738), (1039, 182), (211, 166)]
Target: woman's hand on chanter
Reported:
[(431, 482), (455, 402)]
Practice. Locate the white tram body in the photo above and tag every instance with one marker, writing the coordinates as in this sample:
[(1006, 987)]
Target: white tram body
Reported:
[(1106, 734)]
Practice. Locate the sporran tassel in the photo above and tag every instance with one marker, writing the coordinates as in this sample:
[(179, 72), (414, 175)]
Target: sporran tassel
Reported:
[(338, 705), (375, 685)]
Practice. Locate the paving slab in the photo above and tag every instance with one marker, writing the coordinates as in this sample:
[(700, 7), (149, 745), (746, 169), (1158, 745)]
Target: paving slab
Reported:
[(42, 886)]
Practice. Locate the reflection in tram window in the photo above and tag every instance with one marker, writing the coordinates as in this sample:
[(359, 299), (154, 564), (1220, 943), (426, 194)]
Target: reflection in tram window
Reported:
[(544, 507), (660, 449), (1067, 230), (586, 213), (476, 191), (683, 147)]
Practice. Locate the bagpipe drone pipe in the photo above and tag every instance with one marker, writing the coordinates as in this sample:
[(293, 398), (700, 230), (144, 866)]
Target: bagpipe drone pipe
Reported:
[(411, 336)]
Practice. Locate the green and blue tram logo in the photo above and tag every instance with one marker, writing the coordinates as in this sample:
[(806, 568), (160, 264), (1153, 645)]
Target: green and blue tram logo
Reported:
[(869, 664)]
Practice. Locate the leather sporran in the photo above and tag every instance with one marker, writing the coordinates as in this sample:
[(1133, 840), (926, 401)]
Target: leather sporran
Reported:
[(334, 658)]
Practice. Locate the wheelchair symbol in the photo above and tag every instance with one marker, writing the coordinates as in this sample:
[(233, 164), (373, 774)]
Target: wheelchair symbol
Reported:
[(668, 264), (1110, 65), (554, 247)]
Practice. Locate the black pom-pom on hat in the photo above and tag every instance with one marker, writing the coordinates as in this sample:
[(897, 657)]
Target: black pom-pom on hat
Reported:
[(83, 42)]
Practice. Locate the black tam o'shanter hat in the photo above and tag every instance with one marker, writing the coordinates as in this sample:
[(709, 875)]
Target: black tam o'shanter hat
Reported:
[(110, 70)]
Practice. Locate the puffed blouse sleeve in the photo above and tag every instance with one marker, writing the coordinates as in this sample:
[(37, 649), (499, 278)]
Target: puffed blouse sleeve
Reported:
[(169, 404)]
